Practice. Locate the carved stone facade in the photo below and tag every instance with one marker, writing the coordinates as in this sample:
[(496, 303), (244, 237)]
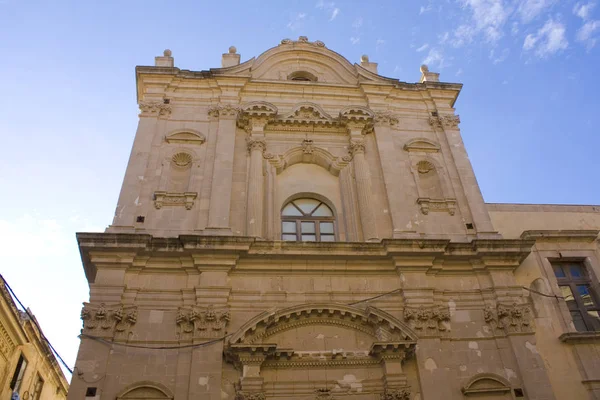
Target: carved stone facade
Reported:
[(21, 339), (299, 227)]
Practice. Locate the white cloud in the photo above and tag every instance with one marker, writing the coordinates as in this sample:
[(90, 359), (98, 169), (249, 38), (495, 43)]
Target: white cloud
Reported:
[(397, 69), (435, 58), (583, 10), (296, 21), (354, 40), (357, 23), (488, 18), (443, 38), (514, 29), (328, 7), (529, 9), (423, 10), (498, 57), (548, 40), (586, 32), (463, 35), (422, 48), (379, 43), (459, 72)]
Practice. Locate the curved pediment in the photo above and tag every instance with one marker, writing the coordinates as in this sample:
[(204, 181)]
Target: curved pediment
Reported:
[(486, 383), (378, 324), (187, 136), (308, 113), (310, 154), (422, 145), (290, 57), (259, 109)]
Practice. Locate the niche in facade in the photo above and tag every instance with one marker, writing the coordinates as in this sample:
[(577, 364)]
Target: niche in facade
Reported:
[(179, 175), (431, 190)]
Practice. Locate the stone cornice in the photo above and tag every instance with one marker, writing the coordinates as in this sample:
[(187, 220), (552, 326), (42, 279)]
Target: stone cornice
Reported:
[(580, 337), (429, 255), (586, 236)]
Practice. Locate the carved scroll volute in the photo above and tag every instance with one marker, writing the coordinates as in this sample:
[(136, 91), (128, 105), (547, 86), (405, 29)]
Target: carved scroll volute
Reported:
[(254, 117)]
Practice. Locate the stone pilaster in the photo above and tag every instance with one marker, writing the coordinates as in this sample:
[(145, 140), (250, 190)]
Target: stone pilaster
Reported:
[(254, 213), (363, 189), (449, 125), (220, 194)]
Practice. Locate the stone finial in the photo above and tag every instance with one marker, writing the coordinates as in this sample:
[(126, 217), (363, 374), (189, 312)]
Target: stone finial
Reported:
[(366, 64), (166, 60), (427, 76), (231, 58)]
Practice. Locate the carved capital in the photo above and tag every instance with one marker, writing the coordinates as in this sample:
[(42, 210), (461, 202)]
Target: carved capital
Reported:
[(154, 109), (224, 111), (256, 144), (396, 394), (323, 394), (385, 118), (240, 395), (202, 323), (445, 121), (108, 321), (428, 320), (307, 146), (511, 318), (357, 147)]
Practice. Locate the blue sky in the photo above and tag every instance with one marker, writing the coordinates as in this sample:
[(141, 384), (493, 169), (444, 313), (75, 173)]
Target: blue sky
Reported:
[(68, 114)]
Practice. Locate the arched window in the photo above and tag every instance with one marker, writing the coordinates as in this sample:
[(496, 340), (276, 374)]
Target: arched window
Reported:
[(307, 220)]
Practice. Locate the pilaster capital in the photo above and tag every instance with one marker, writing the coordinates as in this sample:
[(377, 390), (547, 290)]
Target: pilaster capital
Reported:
[(357, 147), (223, 111), (256, 115), (444, 121), (256, 144), (154, 109), (385, 118), (357, 118)]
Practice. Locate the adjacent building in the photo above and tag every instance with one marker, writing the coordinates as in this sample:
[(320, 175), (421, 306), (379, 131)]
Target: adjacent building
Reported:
[(27, 365), (300, 227)]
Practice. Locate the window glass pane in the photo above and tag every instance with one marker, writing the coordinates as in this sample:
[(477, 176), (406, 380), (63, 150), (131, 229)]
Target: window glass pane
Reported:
[(288, 227), (309, 238), (578, 321), (322, 211), (568, 295), (558, 272), (594, 317), (576, 271), (291, 211), (306, 205), (326, 227), (289, 237), (584, 292), (327, 238), (308, 227)]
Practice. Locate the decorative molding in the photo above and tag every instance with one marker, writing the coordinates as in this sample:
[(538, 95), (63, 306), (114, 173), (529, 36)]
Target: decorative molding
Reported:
[(226, 111), (6, 343), (186, 199), (108, 320), (486, 383), (422, 145), (580, 337), (307, 146), (428, 320), (207, 323), (372, 321), (323, 394), (586, 236), (154, 109), (402, 393), (512, 318), (182, 159), (305, 114), (445, 121), (302, 40), (437, 205), (256, 115), (385, 118), (185, 136), (424, 167)]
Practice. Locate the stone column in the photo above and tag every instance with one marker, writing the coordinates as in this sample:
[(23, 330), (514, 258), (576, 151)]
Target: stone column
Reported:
[(220, 194), (449, 125), (254, 212), (363, 189)]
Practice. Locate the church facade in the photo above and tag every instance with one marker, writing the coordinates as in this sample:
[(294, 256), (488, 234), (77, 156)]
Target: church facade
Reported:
[(299, 227)]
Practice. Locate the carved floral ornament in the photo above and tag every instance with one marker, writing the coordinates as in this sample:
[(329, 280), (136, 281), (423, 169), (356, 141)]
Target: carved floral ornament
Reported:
[(202, 323), (402, 393), (511, 318), (430, 320), (154, 109), (108, 320), (186, 199), (444, 121), (240, 395), (303, 40)]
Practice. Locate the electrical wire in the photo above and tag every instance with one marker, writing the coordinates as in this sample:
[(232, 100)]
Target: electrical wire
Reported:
[(543, 294), (32, 319)]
